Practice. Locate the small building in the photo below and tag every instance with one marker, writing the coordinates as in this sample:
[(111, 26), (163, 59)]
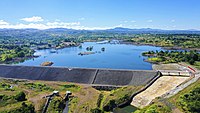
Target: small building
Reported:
[(56, 93), (68, 93)]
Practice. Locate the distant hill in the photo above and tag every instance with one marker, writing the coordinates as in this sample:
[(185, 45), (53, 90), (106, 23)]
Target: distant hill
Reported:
[(152, 31), (113, 30)]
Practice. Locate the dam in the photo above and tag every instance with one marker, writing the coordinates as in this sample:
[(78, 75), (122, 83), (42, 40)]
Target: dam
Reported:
[(104, 77), (156, 83)]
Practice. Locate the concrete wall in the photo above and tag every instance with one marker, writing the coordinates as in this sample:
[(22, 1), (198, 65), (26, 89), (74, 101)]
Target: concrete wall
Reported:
[(78, 75), (175, 73)]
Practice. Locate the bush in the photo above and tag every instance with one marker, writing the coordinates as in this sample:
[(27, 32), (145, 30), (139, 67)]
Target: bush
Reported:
[(70, 86), (109, 107), (191, 61), (191, 101), (96, 110), (57, 105), (21, 54), (155, 108), (99, 100), (38, 86), (21, 96), (25, 108), (123, 99)]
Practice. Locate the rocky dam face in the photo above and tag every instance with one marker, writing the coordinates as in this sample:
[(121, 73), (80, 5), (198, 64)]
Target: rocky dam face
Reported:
[(79, 75)]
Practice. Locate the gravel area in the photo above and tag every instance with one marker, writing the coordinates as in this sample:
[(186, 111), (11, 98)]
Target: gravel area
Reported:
[(181, 87)]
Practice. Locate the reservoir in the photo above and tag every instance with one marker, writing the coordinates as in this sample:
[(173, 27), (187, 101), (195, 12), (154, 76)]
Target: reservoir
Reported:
[(114, 56)]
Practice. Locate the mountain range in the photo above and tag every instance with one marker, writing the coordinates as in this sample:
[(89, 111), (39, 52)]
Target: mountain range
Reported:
[(114, 30)]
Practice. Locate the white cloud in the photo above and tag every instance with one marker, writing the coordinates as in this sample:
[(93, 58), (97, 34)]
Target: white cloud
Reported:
[(56, 24), (72, 25), (24, 26), (63, 24), (33, 19), (150, 21), (2, 22)]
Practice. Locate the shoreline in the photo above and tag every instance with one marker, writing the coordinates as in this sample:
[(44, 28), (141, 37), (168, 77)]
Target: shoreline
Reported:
[(162, 47), (19, 60)]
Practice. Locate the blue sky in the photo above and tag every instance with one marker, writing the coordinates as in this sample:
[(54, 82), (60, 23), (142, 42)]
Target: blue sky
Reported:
[(100, 14)]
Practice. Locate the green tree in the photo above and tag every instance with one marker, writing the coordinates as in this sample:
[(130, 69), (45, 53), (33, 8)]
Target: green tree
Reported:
[(6, 57), (21, 54), (110, 105), (191, 61), (96, 110), (191, 101), (21, 96)]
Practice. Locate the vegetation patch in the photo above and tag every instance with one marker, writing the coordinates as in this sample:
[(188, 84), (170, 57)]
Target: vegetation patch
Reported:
[(6, 87), (192, 57), (38, 86), (191, 101), (57, 105), (169, 40), (70, 86), (155, 108), (73, 104), (155, 59), (117, 96), (84, 100), (22, 107), (30, 94), (197, 64), (188, 99), (14, 53), (7, 99)]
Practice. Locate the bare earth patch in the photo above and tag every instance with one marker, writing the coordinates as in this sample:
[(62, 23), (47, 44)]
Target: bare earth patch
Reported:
[(172, 66), (163, 85), (86, 100)]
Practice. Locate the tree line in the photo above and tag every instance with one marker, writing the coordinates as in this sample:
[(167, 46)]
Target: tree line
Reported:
[(174, 56)]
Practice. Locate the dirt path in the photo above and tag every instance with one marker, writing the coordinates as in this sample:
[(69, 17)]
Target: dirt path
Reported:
[(160, 87), (38, 99)]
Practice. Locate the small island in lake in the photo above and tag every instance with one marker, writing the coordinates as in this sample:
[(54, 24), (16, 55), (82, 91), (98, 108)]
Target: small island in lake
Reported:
[(103, 49), (47, 64)]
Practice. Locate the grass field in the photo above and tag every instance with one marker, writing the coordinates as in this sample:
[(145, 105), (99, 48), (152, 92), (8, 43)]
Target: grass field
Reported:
[(117, 96), (154, 59), (84, 98), (36, 90)]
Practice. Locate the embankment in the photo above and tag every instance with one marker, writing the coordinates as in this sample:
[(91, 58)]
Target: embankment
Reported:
[(79, 75)]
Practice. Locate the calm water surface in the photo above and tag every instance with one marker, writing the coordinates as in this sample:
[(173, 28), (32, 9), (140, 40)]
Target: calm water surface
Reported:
[(115, 56)]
